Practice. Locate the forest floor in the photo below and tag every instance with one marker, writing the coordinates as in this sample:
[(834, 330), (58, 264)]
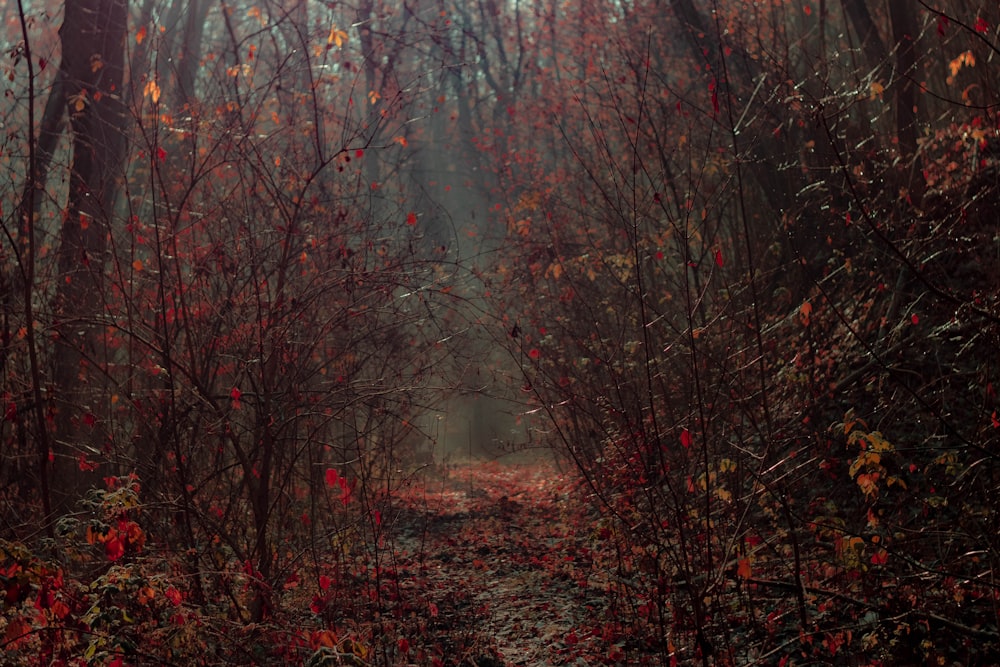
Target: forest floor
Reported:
[(505, 550)]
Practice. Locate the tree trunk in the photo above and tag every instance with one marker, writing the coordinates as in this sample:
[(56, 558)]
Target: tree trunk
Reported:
[(93, 60), (904, 34), (864, 25)]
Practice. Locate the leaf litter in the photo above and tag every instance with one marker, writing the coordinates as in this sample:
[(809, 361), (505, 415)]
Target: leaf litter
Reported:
[(511, 541)]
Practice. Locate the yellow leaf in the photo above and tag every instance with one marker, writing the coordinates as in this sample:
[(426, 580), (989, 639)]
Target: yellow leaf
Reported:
[(878, 443), (137, 265), (373, 96)]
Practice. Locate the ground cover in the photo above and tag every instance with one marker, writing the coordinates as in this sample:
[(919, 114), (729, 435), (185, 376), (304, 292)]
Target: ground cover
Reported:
[(514, 542)]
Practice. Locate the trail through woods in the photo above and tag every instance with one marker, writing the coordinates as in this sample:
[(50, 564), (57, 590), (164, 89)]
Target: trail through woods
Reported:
[(504, 550)]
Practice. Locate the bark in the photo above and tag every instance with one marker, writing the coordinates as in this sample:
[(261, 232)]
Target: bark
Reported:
[(17, 281), (93, 61), (864, 25), (190, 51), (904, 34)]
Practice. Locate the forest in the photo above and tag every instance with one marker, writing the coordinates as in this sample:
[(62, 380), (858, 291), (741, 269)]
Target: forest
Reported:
[(499, 332)]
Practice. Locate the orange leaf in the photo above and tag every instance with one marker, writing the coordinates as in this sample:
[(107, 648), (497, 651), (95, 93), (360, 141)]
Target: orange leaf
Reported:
[(137, 265), (336, 36), (140, 35), (152, 91), (804, 312), (743, 568), (325, 638)]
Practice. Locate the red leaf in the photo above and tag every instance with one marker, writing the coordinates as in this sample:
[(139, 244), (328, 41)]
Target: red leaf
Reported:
[(534, 353), (686, 438), (714, 89), (331, 477), (433, 609), (114, 547), (942, 23), (411, 218), (404, 646), (161, 154), (914, 318), (718, 258), (345, 490), (324, 582), (173, 595), (982, 25), (60, 609)]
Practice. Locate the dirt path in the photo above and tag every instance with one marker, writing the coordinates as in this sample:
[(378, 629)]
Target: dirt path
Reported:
[(507, 543)]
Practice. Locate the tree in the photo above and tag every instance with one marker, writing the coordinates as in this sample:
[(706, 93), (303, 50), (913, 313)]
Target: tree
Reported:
[(732, 261)]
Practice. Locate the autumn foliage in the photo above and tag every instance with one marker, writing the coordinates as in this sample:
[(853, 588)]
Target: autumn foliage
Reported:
[(732, 264)]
